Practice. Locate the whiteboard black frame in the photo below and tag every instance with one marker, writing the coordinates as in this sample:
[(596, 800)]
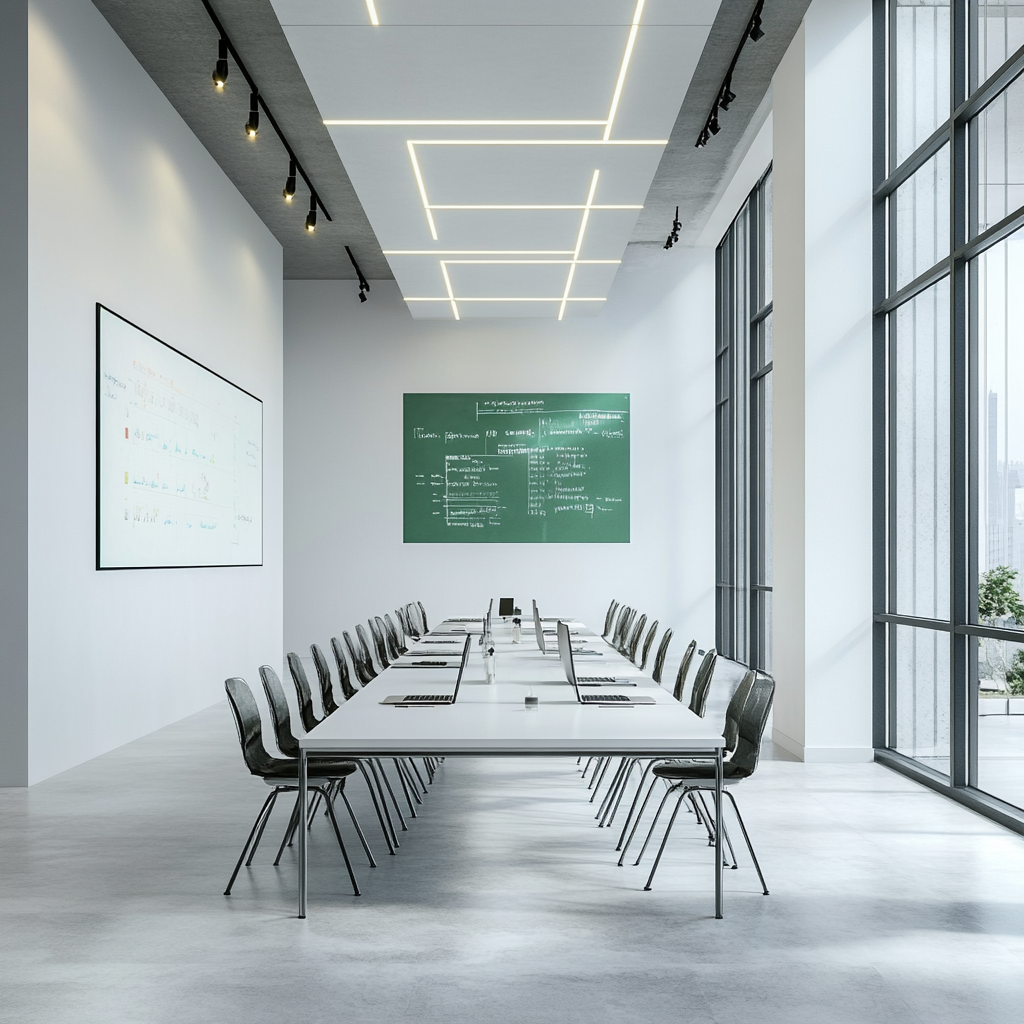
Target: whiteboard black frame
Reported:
[(198, 565)]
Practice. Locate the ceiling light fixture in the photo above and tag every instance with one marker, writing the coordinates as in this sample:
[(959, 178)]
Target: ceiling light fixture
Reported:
[(451, 294), (311, 216), (725, 95), (622, 70), (252, 126), (220, 71), (289, 186), (364, 285), (374, 20), (336, 122), (257, 103), (508, 298), (673, 235), (579, 240)]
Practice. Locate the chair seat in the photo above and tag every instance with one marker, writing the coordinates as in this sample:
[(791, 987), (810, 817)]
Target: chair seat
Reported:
[(698, 771), (321, 769)]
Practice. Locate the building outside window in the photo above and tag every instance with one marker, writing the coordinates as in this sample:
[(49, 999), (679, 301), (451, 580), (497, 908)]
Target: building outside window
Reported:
[(949, 402), (743, 372)]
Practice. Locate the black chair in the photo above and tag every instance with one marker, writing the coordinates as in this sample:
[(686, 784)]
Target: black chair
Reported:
[(403, 622), (344, 678), (307, 715), (423, 616), (394, 637), (634, 638), (289, 746), (645, 648), (280, 773), (745, 721), (379, 644), (662, 654), (609, 619), (412, 621), (323, 675), (684, 671), (702, 683), (360, 657), (622, 633)]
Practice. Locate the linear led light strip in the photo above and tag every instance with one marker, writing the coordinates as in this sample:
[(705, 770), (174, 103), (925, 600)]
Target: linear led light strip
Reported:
[(438, 123), (579, 243)]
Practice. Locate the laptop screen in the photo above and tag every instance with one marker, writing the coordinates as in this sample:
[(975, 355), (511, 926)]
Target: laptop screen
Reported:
[(462, 669), (506, 605), (565, 652), (538, 628)]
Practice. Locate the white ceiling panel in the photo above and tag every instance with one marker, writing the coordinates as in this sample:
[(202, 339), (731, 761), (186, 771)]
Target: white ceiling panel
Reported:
[(480, 130)]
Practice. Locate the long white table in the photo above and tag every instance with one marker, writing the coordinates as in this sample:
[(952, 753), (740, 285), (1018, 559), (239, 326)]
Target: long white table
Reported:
[(492, 719)]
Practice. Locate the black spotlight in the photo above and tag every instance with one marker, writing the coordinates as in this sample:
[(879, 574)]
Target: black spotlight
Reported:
[(311, 216), (673, 236), (727, 95), (220, 72), (756, 32), (289, 186), (252, 126), (713, 126), (362, 294)]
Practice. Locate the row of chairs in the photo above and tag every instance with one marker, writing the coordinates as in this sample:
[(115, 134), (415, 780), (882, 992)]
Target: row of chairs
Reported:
[(327, 775), (745, 721)]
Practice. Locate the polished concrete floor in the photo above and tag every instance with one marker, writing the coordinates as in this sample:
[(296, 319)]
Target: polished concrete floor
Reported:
[(888, 903)]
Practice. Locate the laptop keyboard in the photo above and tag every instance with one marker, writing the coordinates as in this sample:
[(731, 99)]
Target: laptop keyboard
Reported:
[(430, 662), (595, 679), (604, 698), (421, 698)]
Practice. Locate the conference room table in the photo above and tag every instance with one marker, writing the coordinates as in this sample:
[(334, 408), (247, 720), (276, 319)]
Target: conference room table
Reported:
[(493, 720)]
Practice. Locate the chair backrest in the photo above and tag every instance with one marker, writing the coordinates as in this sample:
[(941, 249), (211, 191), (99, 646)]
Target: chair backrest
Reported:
[(702, 683), (359, 658), (365, 658), (323, 674), (625, 625), (412, 622), (659, 658), (745, 720), (403, 622), (298, 672), (423, 616), (609, 618), (377, 632), (634, 638), (347, 689), (246, 713), (394, 637), (279, 713), (684, 670), (645, 650)]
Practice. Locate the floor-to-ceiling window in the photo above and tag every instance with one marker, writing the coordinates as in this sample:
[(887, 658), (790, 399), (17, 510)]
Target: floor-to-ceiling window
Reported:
[(949, 347), (744, 443)]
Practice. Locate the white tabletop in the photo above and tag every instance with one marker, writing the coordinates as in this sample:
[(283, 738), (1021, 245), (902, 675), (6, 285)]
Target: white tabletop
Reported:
[(492, 719)]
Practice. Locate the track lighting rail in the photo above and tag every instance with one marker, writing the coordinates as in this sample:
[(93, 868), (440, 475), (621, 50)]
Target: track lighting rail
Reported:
[(257, 98)]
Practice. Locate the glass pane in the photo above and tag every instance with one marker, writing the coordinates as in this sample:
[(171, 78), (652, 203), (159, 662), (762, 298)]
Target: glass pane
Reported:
[(1000, 718), (766, 237), (920, 432), (997, 31), (997, 137), (921, 72), (922, 219), (996, 279), (920, 661)]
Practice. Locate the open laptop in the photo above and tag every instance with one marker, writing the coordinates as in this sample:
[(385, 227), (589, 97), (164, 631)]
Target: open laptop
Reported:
[(506, 606), (607, 699), (546, 645), (431, 699)]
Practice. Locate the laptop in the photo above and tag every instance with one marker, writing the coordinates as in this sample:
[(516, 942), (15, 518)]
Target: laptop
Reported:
[(540, 632), (506, 606), (611, 700), (432, 699)]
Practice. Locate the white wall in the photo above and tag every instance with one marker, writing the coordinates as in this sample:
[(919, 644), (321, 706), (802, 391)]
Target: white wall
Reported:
[(127, 208), (822, 385), (347, 366)]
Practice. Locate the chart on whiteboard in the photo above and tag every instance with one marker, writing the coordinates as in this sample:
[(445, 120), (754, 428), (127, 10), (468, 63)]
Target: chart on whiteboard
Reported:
[(179, 460), (516, 468)]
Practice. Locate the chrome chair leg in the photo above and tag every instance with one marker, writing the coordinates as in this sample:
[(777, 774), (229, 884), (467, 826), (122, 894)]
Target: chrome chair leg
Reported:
[(266, 819), (750, 846), (636, 823), (610, 816), (664, 842), (376, 806), (618, 788), (394, 799), (355, 825), (604, 771), (610, 792), (341, 843), (418, 776), (289, 832), (405, 785), (629, 817), (650, 835), (261, 818)]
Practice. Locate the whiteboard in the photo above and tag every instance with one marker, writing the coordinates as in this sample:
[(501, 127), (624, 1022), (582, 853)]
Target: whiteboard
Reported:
[(179, 457)]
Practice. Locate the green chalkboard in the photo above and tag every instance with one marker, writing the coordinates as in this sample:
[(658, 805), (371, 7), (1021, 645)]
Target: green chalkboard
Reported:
[(516, 469)]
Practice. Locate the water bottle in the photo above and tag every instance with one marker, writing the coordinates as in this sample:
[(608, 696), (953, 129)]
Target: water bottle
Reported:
[(517, 627)]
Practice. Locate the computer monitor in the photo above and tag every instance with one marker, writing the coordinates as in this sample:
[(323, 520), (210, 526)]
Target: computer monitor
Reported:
[(506, 607)]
